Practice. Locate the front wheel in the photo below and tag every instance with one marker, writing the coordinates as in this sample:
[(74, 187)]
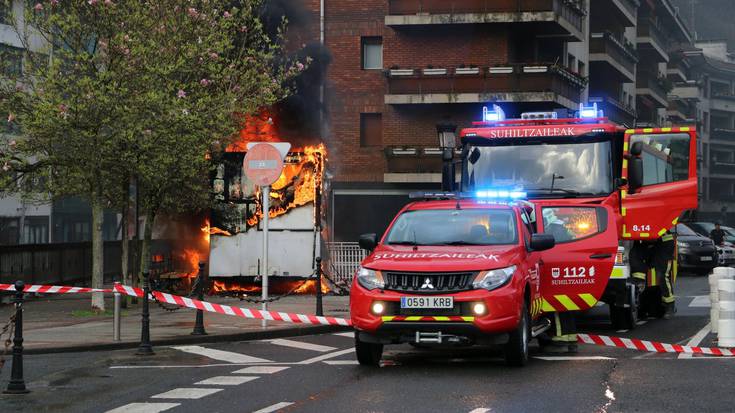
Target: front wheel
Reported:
[(516, 351), (368, 354)]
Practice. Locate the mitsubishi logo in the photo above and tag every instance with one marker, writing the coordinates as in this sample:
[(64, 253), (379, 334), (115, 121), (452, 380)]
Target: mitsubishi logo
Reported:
[(427, 284)]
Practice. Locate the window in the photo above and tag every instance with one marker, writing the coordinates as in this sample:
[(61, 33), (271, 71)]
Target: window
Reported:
[(454, 227), (371, 129), (572, 64), (571, 223), (665, 157), (9, 230), (35, 230), (581, 69), (372, 52), (11, 60)]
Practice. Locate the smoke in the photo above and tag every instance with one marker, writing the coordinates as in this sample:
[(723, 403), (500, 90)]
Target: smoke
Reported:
[(706, 19), (275, 11)]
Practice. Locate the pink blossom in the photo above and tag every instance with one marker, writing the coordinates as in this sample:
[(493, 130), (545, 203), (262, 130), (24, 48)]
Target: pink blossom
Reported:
[(185, 111), (213, 55), (147, 132), (192, 12), (109, 3), (91, 2), (300, 66), (226, 15), (12, 143), (181, 94), (6, 167), (126, 38), (54, 2), (63, 108), (38, 7), (243, 29), (11, 117), (204, 82)]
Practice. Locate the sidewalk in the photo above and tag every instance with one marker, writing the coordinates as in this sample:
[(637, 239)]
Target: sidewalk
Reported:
[(60, 323)]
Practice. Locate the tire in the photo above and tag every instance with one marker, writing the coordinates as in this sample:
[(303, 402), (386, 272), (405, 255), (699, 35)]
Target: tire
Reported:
[(623, 318), (516, 351), (368, 354)]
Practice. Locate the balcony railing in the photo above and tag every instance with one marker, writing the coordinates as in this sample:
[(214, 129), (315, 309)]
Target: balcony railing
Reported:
[(574, 11), (652, 84), (631, 6), (623, 53), (649, 29), (722, 134), (488, 81), (615, 110)]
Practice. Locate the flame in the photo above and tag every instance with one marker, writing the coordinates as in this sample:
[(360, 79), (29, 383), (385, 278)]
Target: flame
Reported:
[(209, 230), (191, 258), (276, 287)]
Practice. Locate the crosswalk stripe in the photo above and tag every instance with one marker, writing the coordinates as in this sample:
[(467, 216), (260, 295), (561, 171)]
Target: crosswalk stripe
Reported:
[(274, 407), (350, 334), (226, 380), (572, 358), (327, 356), (186, 393), (480, 410), (302, 345), (144, 408), (260, 370), (340, 362), (221, 355)]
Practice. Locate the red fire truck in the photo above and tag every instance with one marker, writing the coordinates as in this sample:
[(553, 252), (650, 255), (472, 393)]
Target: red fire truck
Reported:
[(596, 187)]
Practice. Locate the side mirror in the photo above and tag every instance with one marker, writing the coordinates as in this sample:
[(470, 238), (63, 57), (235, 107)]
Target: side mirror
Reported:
[(368, 241), (636, 149), (542, 242), (620, 182), (635, 174)]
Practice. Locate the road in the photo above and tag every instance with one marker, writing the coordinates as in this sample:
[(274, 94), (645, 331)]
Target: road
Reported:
[(319, 373)]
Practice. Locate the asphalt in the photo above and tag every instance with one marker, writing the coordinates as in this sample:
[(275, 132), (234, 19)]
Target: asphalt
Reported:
[(319, 373)]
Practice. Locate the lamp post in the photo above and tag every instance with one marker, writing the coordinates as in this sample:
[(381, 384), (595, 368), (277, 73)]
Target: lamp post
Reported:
[(447, 134)]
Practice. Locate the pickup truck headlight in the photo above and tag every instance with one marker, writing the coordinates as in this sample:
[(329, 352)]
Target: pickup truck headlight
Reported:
[(493, 279), (370, 279)]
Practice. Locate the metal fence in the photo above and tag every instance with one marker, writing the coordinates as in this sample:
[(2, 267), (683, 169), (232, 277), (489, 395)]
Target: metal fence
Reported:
[(344, 259)]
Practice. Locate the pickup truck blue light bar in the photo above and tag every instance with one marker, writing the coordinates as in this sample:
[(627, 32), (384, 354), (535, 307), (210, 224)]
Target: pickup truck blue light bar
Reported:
[(489, 194)]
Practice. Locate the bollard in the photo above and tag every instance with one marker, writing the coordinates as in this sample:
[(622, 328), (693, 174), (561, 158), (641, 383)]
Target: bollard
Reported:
[(726, 321), (319, 308), (199, 323), (17, 385), (145, 348), (116, 316)]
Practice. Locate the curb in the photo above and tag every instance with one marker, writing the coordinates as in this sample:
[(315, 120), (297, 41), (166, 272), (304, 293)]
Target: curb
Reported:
[(216, 338)]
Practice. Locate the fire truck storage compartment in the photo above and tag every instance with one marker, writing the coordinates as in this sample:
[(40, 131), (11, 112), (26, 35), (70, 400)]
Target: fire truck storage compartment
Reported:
[(291, 246)]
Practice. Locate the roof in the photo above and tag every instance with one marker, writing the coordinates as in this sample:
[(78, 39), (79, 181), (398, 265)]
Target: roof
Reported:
[(466, 203)]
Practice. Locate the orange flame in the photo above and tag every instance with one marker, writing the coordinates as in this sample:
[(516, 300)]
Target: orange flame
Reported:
[(277, 287), (210, 230)]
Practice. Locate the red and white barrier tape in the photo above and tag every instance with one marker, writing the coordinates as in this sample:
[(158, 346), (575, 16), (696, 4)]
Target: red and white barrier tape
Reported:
[(54, 289), (651, 346), (234, 311)]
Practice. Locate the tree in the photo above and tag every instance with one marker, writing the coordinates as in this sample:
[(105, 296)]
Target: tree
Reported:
[(150, 89)]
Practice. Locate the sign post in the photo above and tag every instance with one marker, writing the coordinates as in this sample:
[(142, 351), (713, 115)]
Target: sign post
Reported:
[(263, 165)]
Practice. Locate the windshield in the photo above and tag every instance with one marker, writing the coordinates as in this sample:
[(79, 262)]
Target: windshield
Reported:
[(583, 168), (454, 227), (685, 230)]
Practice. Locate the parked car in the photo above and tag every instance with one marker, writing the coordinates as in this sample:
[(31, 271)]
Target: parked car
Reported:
[(696, 253), (725, 252)]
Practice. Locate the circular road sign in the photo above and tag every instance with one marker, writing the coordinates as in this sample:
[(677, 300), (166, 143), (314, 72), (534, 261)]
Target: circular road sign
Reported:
[(263, 164)]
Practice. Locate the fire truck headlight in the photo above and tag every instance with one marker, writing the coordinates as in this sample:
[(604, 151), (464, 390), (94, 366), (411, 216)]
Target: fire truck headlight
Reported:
[(370, 279), (378, 308), (490, 280), (479, 308)]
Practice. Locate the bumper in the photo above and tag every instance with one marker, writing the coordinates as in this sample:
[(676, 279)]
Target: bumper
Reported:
[(502, 315), (694, 260)]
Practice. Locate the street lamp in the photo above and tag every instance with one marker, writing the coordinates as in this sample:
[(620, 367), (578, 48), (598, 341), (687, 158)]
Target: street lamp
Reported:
[(447, 134)]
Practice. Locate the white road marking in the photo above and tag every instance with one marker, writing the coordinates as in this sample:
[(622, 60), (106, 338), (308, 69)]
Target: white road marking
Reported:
[(221, 355), (480, 410), (572, 358), (260, 370), (341, 362), (641, 322), (700, 301), (186, 393), (144, 408), (302, 345), (350, 334), (694, 342), (327, 356), (622, 331), (226, 380), (274, 407)]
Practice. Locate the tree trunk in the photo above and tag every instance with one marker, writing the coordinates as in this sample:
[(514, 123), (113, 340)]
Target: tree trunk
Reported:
[(124, 243), (98, 256), (145, 254)]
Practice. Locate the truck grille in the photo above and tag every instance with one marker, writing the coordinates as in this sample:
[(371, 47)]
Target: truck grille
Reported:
[(416, 282)]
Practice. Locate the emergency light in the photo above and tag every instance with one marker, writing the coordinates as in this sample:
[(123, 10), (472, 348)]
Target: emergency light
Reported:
[(500, 194), (495, 115), (590, 112)]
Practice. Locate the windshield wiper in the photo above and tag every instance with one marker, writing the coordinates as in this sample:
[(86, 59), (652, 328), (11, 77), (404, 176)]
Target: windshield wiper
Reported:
[(566, 191), (460, 243), (403, 243)]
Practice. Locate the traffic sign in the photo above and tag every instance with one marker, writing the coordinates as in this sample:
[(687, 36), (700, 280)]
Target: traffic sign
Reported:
[(263, 163)]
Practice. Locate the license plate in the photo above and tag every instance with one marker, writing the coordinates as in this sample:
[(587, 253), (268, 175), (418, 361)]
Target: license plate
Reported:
[(706, 258), (427, 302)]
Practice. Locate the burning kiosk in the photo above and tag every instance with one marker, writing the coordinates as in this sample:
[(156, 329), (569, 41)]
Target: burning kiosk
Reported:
[(295, 210)]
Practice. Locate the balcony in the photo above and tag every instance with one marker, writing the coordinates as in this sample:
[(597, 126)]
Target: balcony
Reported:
[(615, 110), (723, 101), (612, 58), (547, 83), (687, 91), (651, 42), (723, 135), (651, 90), (559, 17), (681, 111), (613, 13)]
